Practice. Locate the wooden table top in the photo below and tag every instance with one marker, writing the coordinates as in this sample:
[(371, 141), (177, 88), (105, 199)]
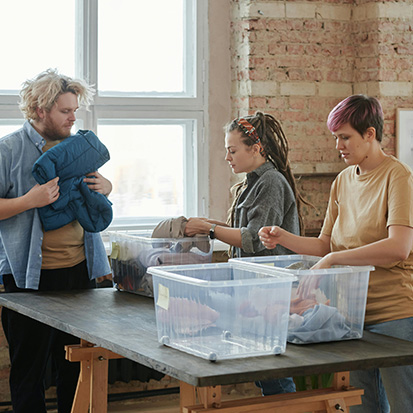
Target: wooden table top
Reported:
[(125, 324)]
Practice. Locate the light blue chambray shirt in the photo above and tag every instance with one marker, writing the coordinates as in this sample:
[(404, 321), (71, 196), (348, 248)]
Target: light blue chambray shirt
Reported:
[(21, 236)]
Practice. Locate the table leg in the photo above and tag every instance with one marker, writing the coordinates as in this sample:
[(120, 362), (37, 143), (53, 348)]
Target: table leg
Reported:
[(210, 396), (341, 380), (207, 396), (92, 387), (82, 397), (187, 395), (99, 385)]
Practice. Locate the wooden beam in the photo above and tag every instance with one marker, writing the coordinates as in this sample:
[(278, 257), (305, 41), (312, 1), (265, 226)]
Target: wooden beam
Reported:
[(299, 402)]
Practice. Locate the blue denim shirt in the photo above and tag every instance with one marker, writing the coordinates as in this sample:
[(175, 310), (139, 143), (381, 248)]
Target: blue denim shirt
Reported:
[(21, 236)]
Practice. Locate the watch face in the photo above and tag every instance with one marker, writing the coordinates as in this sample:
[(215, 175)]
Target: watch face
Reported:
[(212, 232)]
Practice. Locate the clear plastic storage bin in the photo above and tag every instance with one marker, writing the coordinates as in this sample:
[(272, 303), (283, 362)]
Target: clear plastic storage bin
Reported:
[(133, 252), (327, 304), (222, 311)]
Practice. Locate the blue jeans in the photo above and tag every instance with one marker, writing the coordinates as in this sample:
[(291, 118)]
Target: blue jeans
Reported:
[(276, 386), (390, 387)]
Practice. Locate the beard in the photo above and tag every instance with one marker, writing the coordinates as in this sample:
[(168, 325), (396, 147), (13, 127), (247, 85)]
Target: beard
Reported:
[(53, 132)]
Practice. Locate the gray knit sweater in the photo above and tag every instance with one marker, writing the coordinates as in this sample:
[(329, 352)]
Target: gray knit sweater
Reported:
[(267, 200)]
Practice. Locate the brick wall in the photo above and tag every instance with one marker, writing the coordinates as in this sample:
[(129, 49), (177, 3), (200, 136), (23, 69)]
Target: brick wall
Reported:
[(297, 59)]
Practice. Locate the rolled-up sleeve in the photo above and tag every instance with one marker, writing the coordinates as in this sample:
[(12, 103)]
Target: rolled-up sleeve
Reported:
[(266, 205)]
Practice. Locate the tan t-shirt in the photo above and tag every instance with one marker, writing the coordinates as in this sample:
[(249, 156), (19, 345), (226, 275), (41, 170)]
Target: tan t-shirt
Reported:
[(360, 210), (62, 247)]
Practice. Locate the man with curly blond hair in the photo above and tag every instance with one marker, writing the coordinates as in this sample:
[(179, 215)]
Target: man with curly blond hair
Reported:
[(31, 259)]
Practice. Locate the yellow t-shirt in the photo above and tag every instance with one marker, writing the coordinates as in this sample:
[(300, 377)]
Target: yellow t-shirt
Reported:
[(62, 247), (360, 210)]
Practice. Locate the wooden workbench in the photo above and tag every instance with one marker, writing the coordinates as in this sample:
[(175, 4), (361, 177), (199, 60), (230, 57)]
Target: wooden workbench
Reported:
[(123, 324)]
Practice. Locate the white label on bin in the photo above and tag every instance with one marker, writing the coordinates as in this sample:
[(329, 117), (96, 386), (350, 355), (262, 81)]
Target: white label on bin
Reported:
[(163, 297), (269, 264)]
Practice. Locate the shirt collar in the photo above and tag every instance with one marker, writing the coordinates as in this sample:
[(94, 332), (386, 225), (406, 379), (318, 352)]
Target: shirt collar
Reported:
[(260, 170), (34, 136)]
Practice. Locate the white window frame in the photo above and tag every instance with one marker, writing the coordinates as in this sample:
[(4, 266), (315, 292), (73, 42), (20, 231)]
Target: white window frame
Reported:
[(107, 107)]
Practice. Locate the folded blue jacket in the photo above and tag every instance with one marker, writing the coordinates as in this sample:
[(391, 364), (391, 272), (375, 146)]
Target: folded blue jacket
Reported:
[(71, 160)]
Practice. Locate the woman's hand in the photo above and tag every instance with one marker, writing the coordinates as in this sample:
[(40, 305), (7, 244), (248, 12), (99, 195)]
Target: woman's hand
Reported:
[(270, 236), (325, 262), (309, 283), (196, 226), (98, 183)]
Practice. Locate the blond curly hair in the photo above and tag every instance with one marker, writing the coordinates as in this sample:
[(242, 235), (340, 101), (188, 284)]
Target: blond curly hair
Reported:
[(43, 91)]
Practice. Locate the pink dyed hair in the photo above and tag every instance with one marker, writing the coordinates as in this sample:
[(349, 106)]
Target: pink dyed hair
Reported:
[(361, 112)]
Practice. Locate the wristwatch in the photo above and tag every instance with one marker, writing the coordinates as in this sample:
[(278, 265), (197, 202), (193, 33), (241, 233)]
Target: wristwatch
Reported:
[(212, 231)]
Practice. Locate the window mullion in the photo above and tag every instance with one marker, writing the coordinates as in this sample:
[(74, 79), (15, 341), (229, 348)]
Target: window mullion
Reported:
[(86, 52)]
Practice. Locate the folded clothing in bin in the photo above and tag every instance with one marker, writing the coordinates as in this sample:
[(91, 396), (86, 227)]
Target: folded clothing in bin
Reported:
[(318, 324), (219, 311), (132, 254), (189, 316), (330, 308), (175, 228)]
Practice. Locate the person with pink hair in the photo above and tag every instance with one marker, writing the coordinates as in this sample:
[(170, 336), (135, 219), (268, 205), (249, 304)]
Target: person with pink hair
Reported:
[(369, 221)]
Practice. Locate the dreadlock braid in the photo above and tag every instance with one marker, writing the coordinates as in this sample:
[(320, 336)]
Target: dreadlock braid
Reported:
[(275, 149)]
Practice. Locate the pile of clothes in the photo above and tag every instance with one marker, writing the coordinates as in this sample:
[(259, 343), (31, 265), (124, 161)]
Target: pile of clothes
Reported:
[(167, 246)]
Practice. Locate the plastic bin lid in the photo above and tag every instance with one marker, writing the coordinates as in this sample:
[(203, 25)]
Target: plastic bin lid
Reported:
[(175, 272), (269, 261), (146, 235)]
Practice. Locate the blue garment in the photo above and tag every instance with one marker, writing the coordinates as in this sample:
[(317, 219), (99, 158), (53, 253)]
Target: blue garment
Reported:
[(21, 236), (386, 389), (71, 160), (320, 324)]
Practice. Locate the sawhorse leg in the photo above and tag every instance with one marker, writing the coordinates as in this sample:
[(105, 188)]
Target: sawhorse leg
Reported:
[(341, 381), (92, 387), (207, 396)]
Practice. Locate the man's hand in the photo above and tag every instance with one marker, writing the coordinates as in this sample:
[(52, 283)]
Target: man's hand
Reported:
[(41, 195), (98, 183)]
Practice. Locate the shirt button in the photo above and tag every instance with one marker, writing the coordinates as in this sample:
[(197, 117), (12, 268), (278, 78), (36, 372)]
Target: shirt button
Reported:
[(41, 238), (40, 255)]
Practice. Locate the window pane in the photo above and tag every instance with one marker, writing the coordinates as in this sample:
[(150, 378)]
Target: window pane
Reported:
[(36, 35), (141, 50), (7, 127), (146, 169)]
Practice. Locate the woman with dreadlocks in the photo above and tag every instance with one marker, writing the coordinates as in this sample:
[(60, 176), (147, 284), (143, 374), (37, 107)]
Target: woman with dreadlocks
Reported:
[(268, 196)]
